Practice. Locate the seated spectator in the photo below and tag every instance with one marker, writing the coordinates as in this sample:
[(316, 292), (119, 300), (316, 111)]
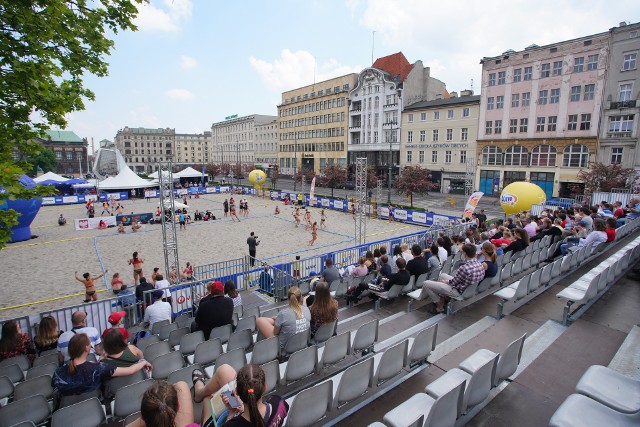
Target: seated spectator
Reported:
[(611, 229), (490, 261), (505, 241), (157, 311), (231, 292), (433, 263), (397, 252), (593, 239), (291, 320), (79, 322), (115, 319), (370, 262), (165, 404), (323, 308), (520, 243), (116, 350), (48, 334), (215, 311), (361, 270), (406, 253), (78, 376), (402, 277), (442, 250), (265, 280), (385, 269), (14, 343), (383, 251), (62, 220), (418, 265)]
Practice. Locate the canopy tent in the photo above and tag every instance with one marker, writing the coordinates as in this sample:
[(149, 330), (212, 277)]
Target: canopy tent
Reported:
[(188, 173), (51, 182), (125, 180), (176, 205), (75, 181), (154, 175), (50, 176), (92, 183)]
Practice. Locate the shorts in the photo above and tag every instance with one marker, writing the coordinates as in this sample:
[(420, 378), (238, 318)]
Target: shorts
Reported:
[(182, 222), (137, 270)]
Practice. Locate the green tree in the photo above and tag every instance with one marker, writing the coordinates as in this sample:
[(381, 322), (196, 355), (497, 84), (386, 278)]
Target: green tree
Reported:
[(47, 48), (44, 159), (333, 176), (414, 180)]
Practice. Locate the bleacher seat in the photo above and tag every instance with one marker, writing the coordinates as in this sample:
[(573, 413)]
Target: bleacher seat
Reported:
[(301, 364), (296, 342), (334, 350), (365, 337), (394, 292), (222, 333), (247, 322), (40, 385), (310, 405), (176, 335), (116, 383), (183, 374), (128, 398), (6, 387), (165, 330), (272, 375), (143, 343), (13, 372), (207, 352), (265, 351), (323, 333), (610, 388), (157, 326), (184, 320), (189, 342), (39, 370), (421, 346), (509, 360), (389, 363), (46, 359), (241, 338), (166, 364), (22, 361), (234, 358), (155, 350), (352, 382), (34, 408), (88, 413), (76, 398), (581, 411)]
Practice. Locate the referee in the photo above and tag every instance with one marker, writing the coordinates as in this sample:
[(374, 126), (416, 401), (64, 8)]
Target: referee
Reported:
[(252, 242)]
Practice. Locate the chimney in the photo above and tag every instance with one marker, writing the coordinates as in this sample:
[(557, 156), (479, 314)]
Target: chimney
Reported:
[(453, 94)]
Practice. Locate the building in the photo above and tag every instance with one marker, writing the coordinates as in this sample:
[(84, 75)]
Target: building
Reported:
[(70, 151), (193, 148), (233, 140), (539, 114), (376, 103), (266, 145), (440, 135), (620, 124), (143, 148), (312, 125)]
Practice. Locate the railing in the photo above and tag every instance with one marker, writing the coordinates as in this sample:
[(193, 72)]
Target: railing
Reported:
[(622, 104), (395, 104)]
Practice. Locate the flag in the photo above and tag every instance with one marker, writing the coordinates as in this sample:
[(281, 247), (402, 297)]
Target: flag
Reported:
[(203, 175), (312, 191), (471, 204)]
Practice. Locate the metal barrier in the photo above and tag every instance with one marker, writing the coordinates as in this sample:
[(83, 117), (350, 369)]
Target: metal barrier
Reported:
[(238, 270)]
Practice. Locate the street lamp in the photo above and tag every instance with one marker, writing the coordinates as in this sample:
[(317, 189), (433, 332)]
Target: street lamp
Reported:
[(391, 138), (238, 171)]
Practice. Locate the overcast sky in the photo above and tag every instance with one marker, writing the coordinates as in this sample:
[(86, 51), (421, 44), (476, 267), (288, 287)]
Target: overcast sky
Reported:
[(193, 62)]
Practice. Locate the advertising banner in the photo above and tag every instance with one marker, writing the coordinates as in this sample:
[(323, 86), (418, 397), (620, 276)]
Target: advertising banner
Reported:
[(92, 223), (472, 203), (128, 219), (312, 191)]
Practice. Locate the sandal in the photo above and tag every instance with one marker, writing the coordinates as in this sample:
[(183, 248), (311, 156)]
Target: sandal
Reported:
[(198, 375)]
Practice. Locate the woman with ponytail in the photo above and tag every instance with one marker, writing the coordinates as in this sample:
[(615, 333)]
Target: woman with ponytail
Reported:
[(294, 319), (166, 405)]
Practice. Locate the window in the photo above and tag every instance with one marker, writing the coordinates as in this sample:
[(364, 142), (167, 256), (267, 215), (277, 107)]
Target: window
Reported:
[(491, 156), (59, 155), (409, 156), (624, 92), (545, 71), (410, 136), (585, 121), (497, 126), (515, 100), (492, 79), (589, 91), (575, 93), (557, 68), (528, 73), (499, 102), (517, 75), (447, 156), (513, 125), (575, 156), (540, 124), (463, 156), (436, 115), (435, 134), (423, 135), (464, 134), (526, 99), (552, 122), (421, 156), (555, 96), (542, 97), (629, 62), (490, 101), (434, 157), (465, 112), (516, 155), (572, 124), (578, 65), (449, 134), (524, 124), (69, 155), (543, 155), (616, 155), (449, 114), (502, 76), (621, 123), (410, 118), (488, 127), (592, 62), (423, 117), (375, 136)]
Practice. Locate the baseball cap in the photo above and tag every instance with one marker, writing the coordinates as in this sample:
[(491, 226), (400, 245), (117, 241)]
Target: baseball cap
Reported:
[(217, 287), (116, 316), (313, 273), (157, 294)]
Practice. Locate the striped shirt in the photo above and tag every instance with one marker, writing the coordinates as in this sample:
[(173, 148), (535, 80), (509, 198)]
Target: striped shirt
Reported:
[(63, 341)]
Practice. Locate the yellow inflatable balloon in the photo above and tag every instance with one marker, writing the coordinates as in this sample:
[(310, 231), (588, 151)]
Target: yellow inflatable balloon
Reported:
[(257, 177), (519, 196)]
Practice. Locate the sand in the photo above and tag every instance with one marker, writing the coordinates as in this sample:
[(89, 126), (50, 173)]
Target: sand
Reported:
[(43, 268)]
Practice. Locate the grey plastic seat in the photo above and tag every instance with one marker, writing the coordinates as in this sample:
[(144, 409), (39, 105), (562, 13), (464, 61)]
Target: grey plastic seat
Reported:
[(304, 287), (155, 328), (34, 408), (189, 342), (184, 320), (270, 313), (545, 277), (468, 292), (176, 335), (22, 361), (183, 374), (13, 372), (129, 398), (222, 333), (310, 405), (506, 272), (40, 385), (296, 342), (433, 275), (423, 409), (389, 363), (251, 311), (265, 351), (421, 346), (409, 286), (6, 387), (116, 383), (333, 287), (581, 411), (272, 375), (240, 339), (419, 281), (88, 413), (165, 330), (611, 388), (517, 266), (247, 322), (301, 364), (40, 370), (155, 350), (484, 285), (352, 383), (45, 359), (393, 293), (207, 352), (449, 391), (234, 358), (143, 343), (514, 291), (527, 260), (324, 332), (342, 288), (166, 364), (334, 350), (238, 310), (509, 360), (365, 337)]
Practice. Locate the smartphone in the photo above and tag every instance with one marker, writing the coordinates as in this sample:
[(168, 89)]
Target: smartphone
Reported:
[(233, 402)]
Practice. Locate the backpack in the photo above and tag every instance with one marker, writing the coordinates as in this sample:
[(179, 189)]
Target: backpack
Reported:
[(140, 335)]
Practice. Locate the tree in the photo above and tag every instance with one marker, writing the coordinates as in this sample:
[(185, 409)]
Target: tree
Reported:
[(414, 179), (372, 177), (333, 176), (601, 177), (47, 47), (213, 170), (306, 173), (45, 159)]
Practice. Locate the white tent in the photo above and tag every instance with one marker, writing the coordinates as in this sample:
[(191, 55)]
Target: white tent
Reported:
[(176, 205), (125, 180), (188, 173), (154, 175), (52, 176)]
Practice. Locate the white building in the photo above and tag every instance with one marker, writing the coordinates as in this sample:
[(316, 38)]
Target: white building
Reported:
[(266, 145), (143, 148), (233, 140)]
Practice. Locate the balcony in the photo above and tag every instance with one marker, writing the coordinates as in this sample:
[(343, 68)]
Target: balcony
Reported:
[(622, 104), (618, 135), (355, 127), (388, 125), (390, 106), (354, 110)]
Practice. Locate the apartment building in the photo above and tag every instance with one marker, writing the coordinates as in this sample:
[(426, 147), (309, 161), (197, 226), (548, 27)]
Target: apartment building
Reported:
[(266, 145), (539, 113), (193, 148), (143, 148), (620, 119), (70, 151), (440, 135), (312, 125), (234, 139)]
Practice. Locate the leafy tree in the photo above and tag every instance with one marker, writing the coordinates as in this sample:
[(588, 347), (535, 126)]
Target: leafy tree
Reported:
[(333, 176), (414, 180), (44, 159), (372, 178), (601, 177), (47, 47), (305, 172), (213, 169)]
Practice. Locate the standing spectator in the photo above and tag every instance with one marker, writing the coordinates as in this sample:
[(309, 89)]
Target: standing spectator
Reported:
[(482, 219), (48, 334), (252, 243), (158, 311), (143, 298), (214, 312), (231, 292), (79, 322), (15, 343)]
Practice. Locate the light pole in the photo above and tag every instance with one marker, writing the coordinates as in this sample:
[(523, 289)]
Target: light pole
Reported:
[(238, 171), (389, 160), (391, 138), (295, 160)]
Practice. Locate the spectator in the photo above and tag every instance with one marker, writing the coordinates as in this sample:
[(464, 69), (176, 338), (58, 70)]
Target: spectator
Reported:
[(505, 241), (433, 263), (265, 280), (406, 253), (585, 220), (470, 273), (48, 334), (490, 262), (418, 265), (442, 251), (162, 283), (397, 252), (291, 320), (158, 311), (530, 227), (324, 308), (611, 229), (385, 269), (521, 241), (370, 262), (214, 312), (79, 322), (117, 352), (482, 219), (361, 270), (116, 323), (633, 208), (383, 251), (402, 277), (165, 404), (593, 239), (14, 343), (231, 292), (143, 296), (446, 244), (330, 273)]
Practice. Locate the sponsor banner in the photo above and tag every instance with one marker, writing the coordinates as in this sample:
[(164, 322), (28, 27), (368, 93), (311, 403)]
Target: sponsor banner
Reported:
[(128, 219), (420, 217), (66, 200), (471, 204), (400, 214), (48, 200), (69, 199), (338, 204), (326, 203), (92, 223)]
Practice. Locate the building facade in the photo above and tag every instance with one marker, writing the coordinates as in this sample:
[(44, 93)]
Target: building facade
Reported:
[(266, 146), (620, 119), (539, 114), (193, 148), (312, 125), (440, 135), (143, 148), (233, 140), (70, 151), (375, 108)]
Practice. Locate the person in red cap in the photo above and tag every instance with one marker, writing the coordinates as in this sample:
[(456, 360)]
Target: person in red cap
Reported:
[(115, 319), (214, 310)]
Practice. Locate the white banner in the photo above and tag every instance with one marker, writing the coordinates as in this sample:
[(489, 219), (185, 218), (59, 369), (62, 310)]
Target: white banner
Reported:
[(338, 204), (93, 197), (93, 223), (471, 204), (48, 200), (420, 217), (70, 199), (312, 200), (400, 214)]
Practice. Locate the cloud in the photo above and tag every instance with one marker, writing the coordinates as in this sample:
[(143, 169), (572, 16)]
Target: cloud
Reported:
[(187, 62), (143, 117), (168, 18), (179, 94), (294, 69)]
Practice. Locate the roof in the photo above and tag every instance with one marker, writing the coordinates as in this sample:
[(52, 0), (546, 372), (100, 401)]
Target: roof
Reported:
[(444, 102), (63, 136), (395, 64)]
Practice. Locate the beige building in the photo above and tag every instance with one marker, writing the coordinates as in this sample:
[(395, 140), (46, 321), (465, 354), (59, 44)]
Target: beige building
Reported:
[(143, 148), (312, 125), (440, 135), (233, 140), (266, 145), (193, 148)]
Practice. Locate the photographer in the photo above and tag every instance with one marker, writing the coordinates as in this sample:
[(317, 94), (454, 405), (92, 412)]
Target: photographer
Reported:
[(252, 241)]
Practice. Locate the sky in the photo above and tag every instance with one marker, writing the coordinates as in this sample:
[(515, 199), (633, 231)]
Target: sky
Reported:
[(193, 62)]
